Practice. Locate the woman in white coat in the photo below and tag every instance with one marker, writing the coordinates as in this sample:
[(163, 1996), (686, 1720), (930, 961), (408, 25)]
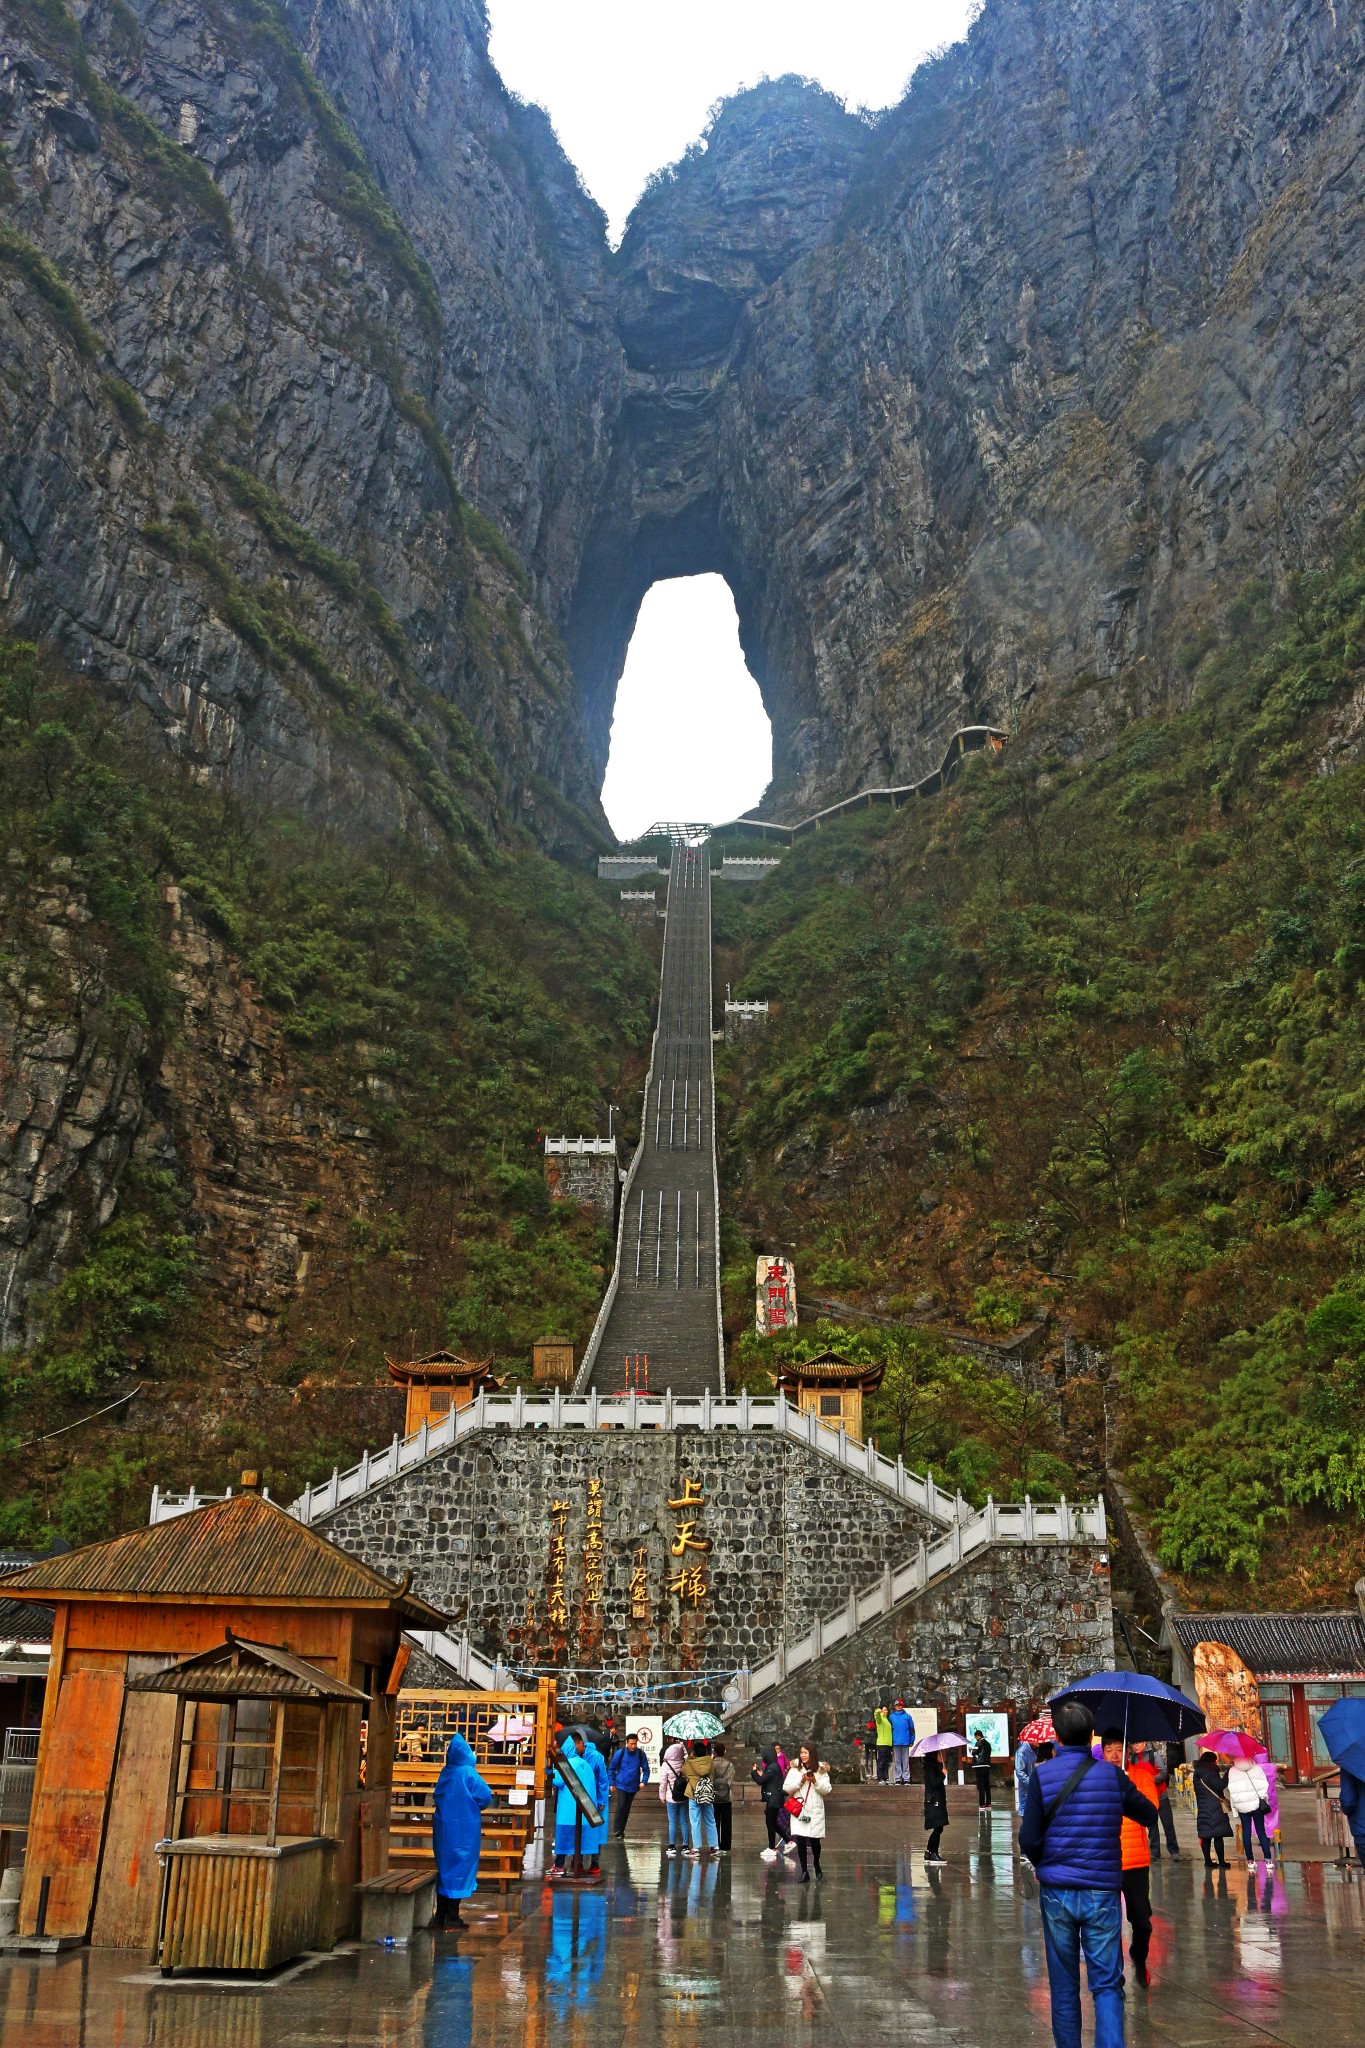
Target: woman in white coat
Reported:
[(807, 1789), (1249, 1797)]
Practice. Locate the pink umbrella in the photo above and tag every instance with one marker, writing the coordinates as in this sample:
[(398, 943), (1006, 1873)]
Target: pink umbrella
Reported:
[(1232, 1742), (928, 1743)]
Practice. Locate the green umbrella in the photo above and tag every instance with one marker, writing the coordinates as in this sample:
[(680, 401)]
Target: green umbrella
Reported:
[(694, 1724)]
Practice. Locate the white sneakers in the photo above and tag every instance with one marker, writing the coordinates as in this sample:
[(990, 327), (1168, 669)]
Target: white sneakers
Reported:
[(768, 1855)]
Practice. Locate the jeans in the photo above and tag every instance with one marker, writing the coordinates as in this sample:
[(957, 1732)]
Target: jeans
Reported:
[(677, 1824), (703, 1825), (900, 1757), (1076, 1920), (1256, 1820), (624, 1802), (883, 1762)]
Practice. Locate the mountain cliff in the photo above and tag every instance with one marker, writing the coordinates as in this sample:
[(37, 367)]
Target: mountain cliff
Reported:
[(337, 452)]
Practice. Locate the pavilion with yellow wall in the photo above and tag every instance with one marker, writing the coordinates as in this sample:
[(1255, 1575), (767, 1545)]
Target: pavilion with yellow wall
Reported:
[(832, 1388)]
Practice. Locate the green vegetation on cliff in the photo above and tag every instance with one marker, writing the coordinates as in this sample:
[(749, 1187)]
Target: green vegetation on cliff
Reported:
[(1089, 1037), (426, 1019)]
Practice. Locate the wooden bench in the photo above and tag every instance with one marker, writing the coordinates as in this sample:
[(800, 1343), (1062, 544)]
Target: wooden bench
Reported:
[(398, 1903)]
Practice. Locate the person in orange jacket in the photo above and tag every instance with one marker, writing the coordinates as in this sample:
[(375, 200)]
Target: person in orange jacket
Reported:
[(1136, 1852)]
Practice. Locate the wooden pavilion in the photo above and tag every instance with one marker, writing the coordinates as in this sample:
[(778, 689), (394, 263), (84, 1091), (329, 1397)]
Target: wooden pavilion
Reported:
[(832, 1388), (290, 1641), (439, 1382)]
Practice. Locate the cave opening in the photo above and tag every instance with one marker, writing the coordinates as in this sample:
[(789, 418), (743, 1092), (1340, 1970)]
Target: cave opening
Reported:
[(690, 737)]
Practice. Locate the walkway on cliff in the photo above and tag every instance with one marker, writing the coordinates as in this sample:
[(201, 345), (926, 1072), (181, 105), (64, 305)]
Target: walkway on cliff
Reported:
[(664, 1303)]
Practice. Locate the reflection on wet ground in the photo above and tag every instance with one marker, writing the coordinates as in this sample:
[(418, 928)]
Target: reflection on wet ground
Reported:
[(685, 1956)]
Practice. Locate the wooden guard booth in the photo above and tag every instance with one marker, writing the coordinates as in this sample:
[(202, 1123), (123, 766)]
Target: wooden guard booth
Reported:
[(441, 1381), (128, 1609), (828, 1386), (510, 1734)]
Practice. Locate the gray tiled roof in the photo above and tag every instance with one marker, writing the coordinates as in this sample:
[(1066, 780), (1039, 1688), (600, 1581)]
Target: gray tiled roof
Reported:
[(1281, 1644)]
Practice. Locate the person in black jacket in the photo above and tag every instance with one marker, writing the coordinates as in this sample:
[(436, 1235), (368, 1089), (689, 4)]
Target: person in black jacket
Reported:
[(935, 1805), (981, 1770), (769, 1775), (1210, 1813)]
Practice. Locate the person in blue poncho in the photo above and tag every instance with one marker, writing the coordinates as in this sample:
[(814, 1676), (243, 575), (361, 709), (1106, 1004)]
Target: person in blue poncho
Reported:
[(456, 1829), (602, 1795), (566, 1810)]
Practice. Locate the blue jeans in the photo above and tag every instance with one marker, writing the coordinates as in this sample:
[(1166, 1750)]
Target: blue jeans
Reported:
[(677, 1823), (1076, 1919), (1257, 1821), (703, 1825)]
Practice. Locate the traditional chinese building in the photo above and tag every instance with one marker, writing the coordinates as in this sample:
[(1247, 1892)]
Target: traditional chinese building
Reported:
[(439, 1382), (118, 1765), (828, 1386)]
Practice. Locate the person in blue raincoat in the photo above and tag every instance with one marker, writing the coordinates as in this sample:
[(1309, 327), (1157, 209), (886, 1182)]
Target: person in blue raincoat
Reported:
[(602, 1795), (566, 1812), (456, 1829)]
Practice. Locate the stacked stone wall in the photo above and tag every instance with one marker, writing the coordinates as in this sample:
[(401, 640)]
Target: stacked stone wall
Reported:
[(788, 1536), (1004, 1631)]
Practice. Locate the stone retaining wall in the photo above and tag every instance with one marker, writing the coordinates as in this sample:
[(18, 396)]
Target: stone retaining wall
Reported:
[(788, 1535), (1005, 1630)]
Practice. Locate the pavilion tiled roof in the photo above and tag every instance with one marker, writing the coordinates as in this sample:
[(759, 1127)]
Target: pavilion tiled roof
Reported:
[(442, 1367), (833, 1370), (241, 1548), (1281, 1645)]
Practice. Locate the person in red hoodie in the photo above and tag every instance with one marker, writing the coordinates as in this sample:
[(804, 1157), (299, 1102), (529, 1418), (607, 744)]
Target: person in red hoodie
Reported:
[(1136, 1851)]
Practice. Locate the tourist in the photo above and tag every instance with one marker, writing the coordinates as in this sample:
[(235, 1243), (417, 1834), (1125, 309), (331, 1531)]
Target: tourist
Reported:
[(769, 1776), (1136, 1853), (881, 1722), (902, 1735), (1272, 1776), (1248, 1791), (673, 1792), (981, 1770), (1210, 1812), (572, 1831), (1071, 1834), (457, 1830), (723, 1778), (627, 1771), (807, 1788), (1161, 1770), (1025, 1763), (593, 1838), (701, 1795), (935, 1806), (1351, 1799)]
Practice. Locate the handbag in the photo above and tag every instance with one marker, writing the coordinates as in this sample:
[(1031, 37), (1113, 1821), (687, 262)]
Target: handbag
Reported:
[(793, 1805)]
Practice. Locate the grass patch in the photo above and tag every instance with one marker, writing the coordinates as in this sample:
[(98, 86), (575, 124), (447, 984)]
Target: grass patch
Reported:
[(17, 253)]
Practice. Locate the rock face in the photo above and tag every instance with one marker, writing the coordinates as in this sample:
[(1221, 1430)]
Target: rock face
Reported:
[(979, 407)]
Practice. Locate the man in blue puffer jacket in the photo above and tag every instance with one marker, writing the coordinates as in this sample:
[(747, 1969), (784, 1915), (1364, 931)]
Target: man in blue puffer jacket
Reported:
[(1070, 1833)]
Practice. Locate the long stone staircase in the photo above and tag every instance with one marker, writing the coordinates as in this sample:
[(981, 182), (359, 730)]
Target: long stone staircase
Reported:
[(663, 1299)]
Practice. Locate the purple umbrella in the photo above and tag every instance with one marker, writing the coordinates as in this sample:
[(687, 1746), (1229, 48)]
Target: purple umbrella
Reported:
[(928, 1743)]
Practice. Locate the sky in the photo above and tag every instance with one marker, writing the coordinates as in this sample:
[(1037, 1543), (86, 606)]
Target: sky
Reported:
[(690, 738), (627, 85)]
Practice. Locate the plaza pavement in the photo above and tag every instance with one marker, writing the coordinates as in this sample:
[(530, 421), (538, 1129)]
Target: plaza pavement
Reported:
[(676, 1955)]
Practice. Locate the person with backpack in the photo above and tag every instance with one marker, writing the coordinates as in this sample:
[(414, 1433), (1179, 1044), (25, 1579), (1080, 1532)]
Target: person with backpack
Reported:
[(1072, 1835), (673, 1792), (627, 1771), (701, 1795), (768, 1774)]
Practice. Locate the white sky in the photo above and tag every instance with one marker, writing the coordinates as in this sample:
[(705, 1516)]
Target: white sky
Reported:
[(627, 85), (690, 738)]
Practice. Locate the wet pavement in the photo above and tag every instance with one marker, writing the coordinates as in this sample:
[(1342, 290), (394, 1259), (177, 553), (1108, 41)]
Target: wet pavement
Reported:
[(687, 1956)]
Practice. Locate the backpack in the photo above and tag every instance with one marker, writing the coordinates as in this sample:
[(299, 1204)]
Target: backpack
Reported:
[(704, 1791)]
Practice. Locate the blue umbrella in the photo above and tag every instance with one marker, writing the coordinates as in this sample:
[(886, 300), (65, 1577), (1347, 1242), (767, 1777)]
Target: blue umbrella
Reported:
[(1145, 1709), (1342, 1729)]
